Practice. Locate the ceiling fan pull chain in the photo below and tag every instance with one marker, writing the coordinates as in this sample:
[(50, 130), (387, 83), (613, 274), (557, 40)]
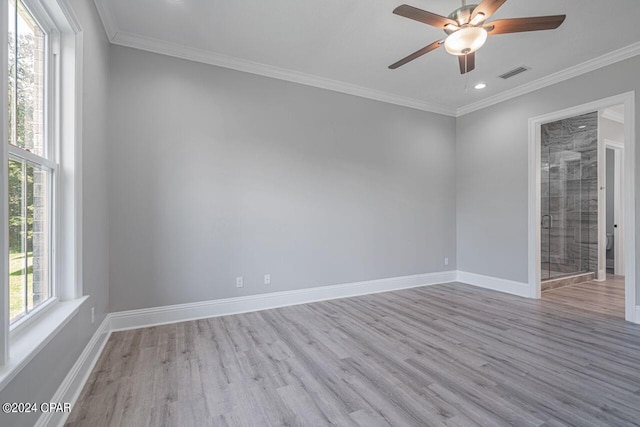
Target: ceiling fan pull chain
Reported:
[(466, 67)]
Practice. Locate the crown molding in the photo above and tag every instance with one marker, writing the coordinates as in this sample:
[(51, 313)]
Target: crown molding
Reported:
[(122, 38), (126, 39), (107, 16), (612, 115), (616, 145), (560, 76)]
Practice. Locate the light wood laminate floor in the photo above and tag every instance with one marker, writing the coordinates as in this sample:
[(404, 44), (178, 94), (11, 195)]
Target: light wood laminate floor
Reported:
[(442, 355), (605, 297)]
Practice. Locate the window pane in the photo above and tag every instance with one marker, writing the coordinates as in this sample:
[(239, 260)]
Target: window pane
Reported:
[(11, 129), (17, 241), (38, 214), (29, 237), (27, 64)]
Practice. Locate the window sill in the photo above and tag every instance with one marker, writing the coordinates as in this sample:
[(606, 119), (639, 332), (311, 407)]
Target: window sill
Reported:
[(26, 344), (23, 324)]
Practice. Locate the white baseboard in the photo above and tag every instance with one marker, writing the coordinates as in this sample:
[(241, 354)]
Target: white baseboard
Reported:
[(70, 389), (494, 283), (134, 319)]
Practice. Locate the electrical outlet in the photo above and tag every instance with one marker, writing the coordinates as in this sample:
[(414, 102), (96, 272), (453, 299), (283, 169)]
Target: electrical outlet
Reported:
[(239, 282), (93, 315), (446, 261), (267, 279)]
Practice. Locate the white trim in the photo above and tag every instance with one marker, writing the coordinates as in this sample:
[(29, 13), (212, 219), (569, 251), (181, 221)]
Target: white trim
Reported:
[(560, 76), (77, 153), (32, 316), (4, 191), (74, 382), (494, 283), (70, 15), (106, 13), (601, 170), (32, 158), (609, 114), (134, 319), (614, 145), (535, 123), (534, 210), (69, 195), (629, 205), (26, 344)]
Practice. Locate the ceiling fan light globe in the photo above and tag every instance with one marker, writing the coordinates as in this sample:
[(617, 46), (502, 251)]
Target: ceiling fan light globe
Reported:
[(465, 41)]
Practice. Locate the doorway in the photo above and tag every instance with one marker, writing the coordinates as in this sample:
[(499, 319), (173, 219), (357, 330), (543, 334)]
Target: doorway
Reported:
[(567, 208)]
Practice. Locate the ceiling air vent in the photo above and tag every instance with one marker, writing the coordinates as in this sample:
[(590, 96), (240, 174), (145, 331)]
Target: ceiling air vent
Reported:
[(513, 72)]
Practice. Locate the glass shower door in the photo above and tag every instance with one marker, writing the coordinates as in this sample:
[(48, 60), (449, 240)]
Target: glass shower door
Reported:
[(569, 197), (561, 217)]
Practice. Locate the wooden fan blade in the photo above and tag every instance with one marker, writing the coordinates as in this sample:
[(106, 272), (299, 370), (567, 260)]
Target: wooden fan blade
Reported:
[(520, 25), (467, 63), (423, 16), (417, 54), (487, 8)]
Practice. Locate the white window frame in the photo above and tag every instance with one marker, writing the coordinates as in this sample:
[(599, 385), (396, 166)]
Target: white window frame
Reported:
[(49, 160), (20, 343)]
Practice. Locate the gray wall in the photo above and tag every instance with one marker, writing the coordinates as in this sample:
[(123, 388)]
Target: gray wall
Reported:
[(39, 380), (216, 174), (491, 164), (611, 130)]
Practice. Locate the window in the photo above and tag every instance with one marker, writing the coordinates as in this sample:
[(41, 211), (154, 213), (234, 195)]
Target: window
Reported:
[(32, 165), (41, 176)]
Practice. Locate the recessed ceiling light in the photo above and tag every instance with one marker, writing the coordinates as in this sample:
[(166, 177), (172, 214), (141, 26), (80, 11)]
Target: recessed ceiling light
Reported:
[(480, 86)]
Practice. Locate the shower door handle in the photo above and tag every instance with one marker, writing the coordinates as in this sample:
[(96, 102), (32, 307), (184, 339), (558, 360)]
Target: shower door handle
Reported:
[(550, 221)]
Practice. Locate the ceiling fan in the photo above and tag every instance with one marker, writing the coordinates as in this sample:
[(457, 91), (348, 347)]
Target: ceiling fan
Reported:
[(467, 29)]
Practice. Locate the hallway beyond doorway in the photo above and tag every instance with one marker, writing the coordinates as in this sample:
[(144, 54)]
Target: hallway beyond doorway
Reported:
[(606, 298)]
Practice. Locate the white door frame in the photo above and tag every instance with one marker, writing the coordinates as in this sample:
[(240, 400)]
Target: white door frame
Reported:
[(629, 216), (618, 201), (601, 274)]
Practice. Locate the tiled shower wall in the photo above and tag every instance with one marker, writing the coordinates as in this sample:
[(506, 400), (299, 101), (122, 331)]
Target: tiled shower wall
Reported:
[(570, 196)]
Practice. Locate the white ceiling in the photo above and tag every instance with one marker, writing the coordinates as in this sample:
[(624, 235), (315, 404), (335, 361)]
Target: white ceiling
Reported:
[(348, 44)]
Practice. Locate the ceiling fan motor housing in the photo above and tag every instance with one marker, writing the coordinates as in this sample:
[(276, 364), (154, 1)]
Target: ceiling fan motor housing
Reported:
[(462, 16)]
